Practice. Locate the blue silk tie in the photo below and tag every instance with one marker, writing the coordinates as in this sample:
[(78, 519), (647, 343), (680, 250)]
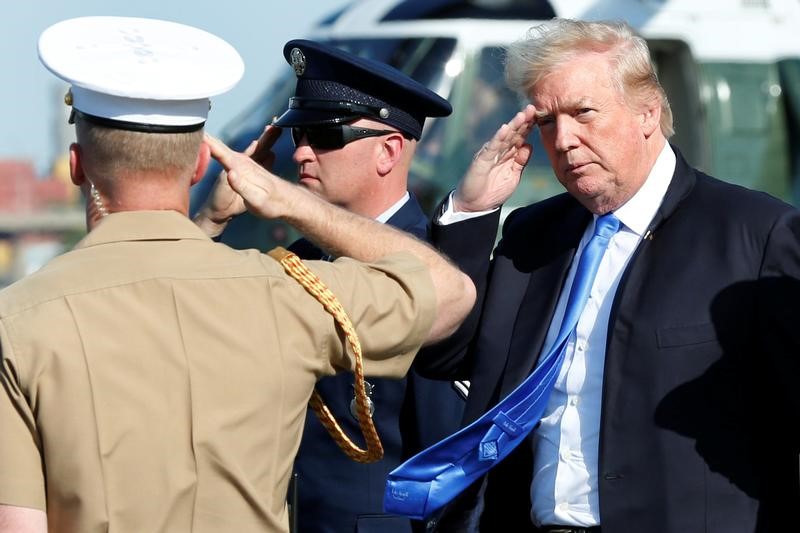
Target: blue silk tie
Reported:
[(436, 475)]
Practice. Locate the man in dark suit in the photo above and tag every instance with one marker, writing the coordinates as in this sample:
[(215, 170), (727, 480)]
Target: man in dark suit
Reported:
[(355, 124), (672, 411)]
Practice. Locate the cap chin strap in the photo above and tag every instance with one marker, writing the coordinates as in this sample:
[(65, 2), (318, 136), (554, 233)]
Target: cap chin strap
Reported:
[(134, 126)]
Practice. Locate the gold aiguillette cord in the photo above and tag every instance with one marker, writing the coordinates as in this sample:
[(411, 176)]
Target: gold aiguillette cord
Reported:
[(374, 452)]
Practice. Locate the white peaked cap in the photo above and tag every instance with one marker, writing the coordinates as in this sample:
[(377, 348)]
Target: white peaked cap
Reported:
[(141, 74)]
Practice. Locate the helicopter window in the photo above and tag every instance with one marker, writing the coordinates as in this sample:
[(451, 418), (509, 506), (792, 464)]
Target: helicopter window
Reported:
[(538, 181), (422, 59), (481, 103), (444, 9)]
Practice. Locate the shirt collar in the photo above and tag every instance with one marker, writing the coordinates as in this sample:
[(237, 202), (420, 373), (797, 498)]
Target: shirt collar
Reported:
[(142, 226), (637, 212), (386, 215)]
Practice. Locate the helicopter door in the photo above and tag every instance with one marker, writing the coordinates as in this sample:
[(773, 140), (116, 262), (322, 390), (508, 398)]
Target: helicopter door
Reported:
[(789, 72), (677, 73), (747, 125), (481, 103)]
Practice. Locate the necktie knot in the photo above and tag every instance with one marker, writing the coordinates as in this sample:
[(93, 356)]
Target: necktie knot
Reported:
[(606, 225)]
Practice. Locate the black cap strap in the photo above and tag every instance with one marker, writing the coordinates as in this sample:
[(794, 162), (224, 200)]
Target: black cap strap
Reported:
[(135, 126)]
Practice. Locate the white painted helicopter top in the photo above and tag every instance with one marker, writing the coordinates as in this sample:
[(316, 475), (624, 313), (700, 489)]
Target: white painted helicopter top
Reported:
[(714, 30)]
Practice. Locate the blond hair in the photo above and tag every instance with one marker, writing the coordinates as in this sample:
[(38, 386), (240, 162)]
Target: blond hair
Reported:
[(546, 47), (111, 152)]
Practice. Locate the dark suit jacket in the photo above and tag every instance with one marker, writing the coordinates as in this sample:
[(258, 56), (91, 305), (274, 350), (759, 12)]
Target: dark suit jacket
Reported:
[(699, 410), (336, 494)]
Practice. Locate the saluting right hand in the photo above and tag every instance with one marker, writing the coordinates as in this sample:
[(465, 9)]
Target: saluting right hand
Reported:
[(497, 167), (256, 188), (223, 203)]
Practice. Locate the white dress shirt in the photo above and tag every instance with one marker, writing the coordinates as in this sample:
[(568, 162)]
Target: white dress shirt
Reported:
[(565, 445)]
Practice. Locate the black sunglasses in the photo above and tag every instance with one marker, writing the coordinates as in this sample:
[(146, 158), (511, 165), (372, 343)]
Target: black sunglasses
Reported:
[(334, 136)]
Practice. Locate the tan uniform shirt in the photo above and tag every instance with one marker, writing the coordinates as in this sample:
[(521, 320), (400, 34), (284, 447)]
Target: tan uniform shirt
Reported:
[(156, 381)]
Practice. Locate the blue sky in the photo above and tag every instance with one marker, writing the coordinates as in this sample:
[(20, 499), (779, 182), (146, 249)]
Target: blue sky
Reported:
[(31, 97)]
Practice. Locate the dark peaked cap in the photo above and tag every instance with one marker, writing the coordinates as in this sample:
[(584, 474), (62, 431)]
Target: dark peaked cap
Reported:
[(334, 86)]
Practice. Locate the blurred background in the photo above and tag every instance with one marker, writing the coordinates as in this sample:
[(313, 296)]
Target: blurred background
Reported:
[(731, 69)]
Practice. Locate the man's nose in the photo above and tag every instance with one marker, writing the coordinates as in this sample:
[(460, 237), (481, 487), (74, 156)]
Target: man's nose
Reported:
[(566, 134), (302, 151)]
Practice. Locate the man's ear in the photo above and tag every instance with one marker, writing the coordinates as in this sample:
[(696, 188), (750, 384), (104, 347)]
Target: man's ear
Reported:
[(76, 172), (201, 165), (651, 118), (391, 152)]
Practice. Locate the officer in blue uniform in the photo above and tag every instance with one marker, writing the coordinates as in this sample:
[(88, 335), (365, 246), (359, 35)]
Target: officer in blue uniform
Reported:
[(355, 123)]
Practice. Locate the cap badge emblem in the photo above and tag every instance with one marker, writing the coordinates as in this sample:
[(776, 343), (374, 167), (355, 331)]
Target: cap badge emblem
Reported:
[(298, 61)]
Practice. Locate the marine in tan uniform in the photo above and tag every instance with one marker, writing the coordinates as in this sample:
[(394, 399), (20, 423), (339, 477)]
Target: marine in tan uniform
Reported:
[(153, 380)]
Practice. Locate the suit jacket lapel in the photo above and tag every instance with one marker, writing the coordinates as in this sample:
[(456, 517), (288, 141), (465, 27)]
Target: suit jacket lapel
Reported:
[(547, 256), (635, 275), (533, 320), (682, 184)]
